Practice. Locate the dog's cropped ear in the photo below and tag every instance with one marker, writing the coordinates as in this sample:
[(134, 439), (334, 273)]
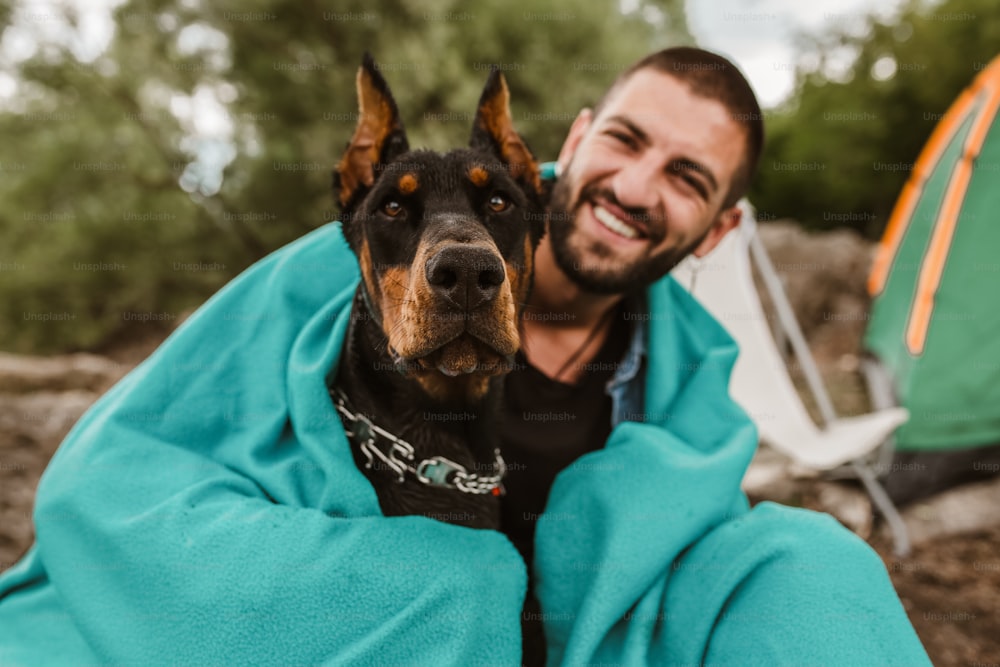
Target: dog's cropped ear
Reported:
[(378, 138), (493, 130)]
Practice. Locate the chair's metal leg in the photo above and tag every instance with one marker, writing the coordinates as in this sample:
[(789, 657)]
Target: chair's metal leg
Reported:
[(882, 396), (900, 538), (790, 326), (880, 390)]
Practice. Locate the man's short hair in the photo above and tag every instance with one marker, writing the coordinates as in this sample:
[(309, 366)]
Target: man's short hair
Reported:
[(713, 77)]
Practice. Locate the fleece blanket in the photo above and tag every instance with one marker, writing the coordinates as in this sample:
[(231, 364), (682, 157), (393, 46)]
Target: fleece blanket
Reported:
[(207, 511)]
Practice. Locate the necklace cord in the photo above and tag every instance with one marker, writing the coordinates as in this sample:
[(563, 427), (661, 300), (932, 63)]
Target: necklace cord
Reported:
[(605, 318)]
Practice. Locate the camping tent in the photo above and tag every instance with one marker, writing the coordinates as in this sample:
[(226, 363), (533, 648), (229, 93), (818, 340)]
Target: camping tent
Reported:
[(935, 323)]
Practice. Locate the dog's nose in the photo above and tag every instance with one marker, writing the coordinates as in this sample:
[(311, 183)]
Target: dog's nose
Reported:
[(465, 276)]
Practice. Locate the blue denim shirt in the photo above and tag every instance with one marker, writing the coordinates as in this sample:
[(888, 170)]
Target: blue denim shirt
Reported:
[(626, 387)]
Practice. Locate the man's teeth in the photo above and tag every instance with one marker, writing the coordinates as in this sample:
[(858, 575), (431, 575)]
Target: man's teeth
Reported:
[(605, 217)]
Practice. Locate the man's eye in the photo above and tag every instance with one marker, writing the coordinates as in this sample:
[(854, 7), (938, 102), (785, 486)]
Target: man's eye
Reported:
[(696, 184), (623, 138), (392, 208), (499, 203)]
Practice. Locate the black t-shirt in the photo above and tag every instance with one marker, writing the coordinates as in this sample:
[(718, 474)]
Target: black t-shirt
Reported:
[(546, 426)]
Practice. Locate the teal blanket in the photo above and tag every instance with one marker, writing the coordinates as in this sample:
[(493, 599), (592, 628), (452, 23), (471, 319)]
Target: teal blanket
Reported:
[(207, 511)]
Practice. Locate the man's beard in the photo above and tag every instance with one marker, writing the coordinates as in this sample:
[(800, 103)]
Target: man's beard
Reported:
[(607, 276)]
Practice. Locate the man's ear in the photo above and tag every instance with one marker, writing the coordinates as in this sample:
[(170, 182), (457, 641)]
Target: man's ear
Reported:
[(378, 138), (576, 133), (493, 130), (727, 221)]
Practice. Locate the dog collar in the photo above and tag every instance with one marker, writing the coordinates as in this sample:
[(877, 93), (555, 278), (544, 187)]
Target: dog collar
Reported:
[(400, 456)]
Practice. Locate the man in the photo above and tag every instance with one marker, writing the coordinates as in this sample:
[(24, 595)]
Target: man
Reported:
[(651, 175), (208, 510)]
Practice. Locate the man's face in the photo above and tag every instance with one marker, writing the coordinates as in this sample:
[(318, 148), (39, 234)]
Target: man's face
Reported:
[(643, 184)]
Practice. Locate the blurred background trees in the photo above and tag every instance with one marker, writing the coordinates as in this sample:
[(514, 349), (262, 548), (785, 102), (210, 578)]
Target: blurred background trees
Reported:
[(866, 100), (150, 152), (140, 172)]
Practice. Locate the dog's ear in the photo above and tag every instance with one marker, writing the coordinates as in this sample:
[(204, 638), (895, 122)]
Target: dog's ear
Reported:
[(493, 130), (378, 138)]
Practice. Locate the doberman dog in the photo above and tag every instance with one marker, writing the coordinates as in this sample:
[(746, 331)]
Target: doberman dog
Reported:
[(445, 245)]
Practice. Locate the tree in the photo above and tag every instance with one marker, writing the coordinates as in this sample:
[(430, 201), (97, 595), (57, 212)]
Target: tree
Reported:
[(840, 150)]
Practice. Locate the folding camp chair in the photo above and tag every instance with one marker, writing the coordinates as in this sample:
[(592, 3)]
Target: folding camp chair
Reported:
[(723, 283)]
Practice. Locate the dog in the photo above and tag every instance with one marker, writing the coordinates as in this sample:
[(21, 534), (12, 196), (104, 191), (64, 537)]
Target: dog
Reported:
[(445, 244)]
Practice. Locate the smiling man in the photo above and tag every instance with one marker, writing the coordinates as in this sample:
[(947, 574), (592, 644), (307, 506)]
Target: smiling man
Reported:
[(621, 391), (647, 181)]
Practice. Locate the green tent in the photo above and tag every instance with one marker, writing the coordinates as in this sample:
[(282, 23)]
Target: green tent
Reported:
[(935, 323)]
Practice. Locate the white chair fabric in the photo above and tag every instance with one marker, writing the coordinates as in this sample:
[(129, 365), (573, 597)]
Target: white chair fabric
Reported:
[(722, 281)]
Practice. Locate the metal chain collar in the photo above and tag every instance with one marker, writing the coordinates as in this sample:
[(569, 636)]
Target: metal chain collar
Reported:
[(434, 471)]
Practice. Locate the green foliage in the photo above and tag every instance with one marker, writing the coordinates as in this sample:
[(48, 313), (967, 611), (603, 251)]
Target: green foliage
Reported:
[(840, 151), (115, 213)]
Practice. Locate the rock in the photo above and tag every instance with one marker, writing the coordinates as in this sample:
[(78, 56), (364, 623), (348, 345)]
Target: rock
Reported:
[(41, 418), (21, 374), (850, 505), (41, 398), (964, 509)]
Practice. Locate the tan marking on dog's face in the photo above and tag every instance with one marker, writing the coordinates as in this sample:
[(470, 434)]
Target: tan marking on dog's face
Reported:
[(506, 339), (393, 284), (408, 183), (479, 176), (416, 321), (368, 275), (409, 311), (520, 276)]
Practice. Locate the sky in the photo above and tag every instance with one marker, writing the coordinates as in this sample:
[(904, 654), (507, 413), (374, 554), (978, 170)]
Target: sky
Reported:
[(759, 35)]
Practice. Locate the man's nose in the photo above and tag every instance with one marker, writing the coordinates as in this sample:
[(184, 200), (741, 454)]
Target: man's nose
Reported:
[(636, 184)]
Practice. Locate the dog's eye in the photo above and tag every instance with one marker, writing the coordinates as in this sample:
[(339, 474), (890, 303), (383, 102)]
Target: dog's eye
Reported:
[(499, 203), (392, 208)]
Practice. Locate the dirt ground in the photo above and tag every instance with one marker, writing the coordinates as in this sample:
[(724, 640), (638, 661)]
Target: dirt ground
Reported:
[(951, 590), (949, 586)]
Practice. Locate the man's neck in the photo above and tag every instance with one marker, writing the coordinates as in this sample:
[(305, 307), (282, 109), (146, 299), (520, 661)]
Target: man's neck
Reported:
[(562, 320), (565, 303)]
